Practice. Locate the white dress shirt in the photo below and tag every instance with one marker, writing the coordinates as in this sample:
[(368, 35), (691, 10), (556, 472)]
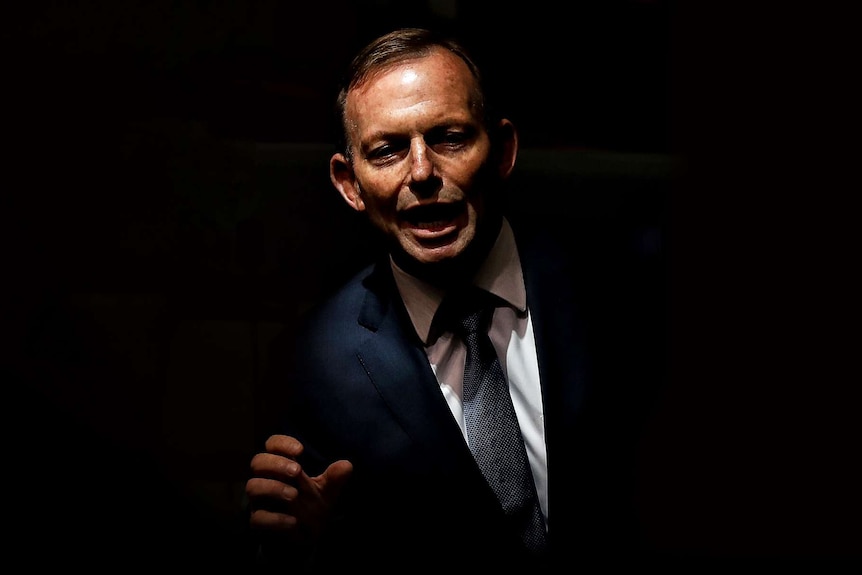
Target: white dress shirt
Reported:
[(512, 334)]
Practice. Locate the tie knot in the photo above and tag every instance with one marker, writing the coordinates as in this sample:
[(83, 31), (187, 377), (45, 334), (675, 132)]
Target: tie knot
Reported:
[(464, 312), (475, 320), (468, 311)]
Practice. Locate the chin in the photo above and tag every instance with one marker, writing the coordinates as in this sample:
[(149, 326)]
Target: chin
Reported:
[(438, 254)]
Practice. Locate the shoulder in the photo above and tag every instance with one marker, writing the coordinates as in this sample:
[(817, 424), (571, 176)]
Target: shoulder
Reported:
[(336, 320), (333, 317), (613, 276), (342, 304), (594, 252), (318, 344)]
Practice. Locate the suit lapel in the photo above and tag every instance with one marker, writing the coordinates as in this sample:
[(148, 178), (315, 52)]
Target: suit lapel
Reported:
[(396, 363)]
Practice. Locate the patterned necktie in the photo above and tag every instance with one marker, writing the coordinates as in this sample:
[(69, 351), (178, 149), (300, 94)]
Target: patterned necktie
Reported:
[(493, 431)]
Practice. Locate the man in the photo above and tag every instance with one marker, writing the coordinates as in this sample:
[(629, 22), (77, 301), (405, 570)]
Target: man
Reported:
[(371, 464)]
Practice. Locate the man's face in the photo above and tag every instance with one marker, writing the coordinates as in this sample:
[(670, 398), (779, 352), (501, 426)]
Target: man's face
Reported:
[(421, 157)]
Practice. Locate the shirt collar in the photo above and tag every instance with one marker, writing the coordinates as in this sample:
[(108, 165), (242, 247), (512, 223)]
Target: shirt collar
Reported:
[(499, 274)]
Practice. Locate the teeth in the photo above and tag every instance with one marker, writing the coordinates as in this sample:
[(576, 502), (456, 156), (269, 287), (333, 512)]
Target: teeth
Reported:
[(432, 216), (431, 225)]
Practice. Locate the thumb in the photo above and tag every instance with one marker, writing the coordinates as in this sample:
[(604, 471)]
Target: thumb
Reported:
[(335, 478)]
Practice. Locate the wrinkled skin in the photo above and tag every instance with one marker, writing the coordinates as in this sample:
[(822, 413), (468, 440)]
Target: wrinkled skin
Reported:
[(424, 169)]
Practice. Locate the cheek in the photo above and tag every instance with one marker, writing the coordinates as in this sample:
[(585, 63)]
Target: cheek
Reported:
[(379, 192), (379, 207), (468, 170)]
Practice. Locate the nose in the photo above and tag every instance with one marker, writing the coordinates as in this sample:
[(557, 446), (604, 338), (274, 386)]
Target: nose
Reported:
[(421, 166), (423, 177)]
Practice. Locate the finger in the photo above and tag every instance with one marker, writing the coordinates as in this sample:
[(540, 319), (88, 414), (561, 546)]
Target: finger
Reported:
[(284, 445), (274, 466), (270, 520), (302, 482), (258, 488), (283, 470), (335, 477)]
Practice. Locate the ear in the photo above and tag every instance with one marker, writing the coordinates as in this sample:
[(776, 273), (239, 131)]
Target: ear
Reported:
[(507, 142), (342, 177)]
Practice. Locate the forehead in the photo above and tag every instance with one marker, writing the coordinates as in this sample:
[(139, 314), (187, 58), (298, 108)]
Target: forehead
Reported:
[(439, 83), (436, 60)]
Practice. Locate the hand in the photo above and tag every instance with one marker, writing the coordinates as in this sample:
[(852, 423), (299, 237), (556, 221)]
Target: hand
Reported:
[(283, 498)]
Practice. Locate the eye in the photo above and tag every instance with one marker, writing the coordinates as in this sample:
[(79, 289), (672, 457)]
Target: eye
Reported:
[(449, 139), (387, 151)]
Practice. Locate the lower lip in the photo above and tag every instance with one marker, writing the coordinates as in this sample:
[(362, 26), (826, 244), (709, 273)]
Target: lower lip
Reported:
[(433, 231)]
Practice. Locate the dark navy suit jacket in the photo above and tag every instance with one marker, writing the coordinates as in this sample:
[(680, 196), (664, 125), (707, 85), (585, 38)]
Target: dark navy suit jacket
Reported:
[(361, 388)]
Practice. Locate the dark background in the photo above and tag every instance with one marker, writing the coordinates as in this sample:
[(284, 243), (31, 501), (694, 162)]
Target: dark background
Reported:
[(167, 209)]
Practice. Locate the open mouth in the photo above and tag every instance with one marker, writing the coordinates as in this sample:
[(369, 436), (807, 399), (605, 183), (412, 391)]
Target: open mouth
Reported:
[(433, 216)]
